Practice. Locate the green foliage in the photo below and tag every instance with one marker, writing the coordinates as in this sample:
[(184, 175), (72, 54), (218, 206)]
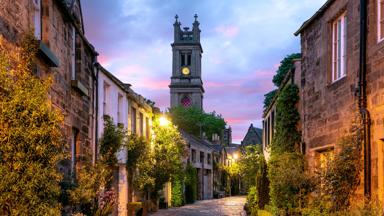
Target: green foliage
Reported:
[(177, 191), (340, 178), (30, 136), (285, 66), (289, 184), (268, 98), (190, 184), (94, 180), (191, 120), (157, 162), (287, 137), (110, 142), (169, 149)]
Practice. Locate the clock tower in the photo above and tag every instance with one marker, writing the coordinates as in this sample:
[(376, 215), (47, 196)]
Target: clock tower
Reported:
[(186, 85)]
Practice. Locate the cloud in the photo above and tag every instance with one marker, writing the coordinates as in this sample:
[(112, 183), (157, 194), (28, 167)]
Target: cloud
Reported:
[(229, 31), (243, 43)]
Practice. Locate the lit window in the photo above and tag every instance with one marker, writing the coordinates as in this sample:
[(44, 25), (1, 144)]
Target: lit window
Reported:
[(37, 18), (339, 48), (380, 20)]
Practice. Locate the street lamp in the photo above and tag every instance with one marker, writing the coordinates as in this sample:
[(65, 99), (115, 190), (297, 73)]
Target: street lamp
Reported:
[(235, 156), (164, 122)]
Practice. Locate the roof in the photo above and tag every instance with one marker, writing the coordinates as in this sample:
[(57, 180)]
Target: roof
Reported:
[(314, 17), (193, 140), (257, 131)]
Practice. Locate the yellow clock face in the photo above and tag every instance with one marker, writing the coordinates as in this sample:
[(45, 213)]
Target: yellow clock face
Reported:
[(185, 71)]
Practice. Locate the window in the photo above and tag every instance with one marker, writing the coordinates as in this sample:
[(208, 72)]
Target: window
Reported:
[(147, 128), (201, 157), (189, 59), (37, 19), (105, 97), (339, 48), (324, 158), (73, 54), (119, 109), (141, 124), (193, 156), (133, 120), (208, 158), (182, 60), (380, 20)]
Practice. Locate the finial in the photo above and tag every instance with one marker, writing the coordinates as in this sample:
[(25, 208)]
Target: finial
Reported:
[(176, 17), (195, 17)]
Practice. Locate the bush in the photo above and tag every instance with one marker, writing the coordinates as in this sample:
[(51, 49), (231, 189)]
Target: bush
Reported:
[(190, 184), (177, 192), (288, 182), (31, 142)]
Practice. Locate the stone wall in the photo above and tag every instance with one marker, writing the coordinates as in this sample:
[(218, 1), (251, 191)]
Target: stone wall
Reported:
[(16, 19)]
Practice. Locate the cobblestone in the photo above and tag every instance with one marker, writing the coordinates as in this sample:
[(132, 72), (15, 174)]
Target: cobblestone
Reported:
[(230, 206)]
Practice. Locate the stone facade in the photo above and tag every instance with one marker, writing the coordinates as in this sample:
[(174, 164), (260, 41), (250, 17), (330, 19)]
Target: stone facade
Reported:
[(269, 116), (201, 155), (329, 107), (186, 85), (67, 56)]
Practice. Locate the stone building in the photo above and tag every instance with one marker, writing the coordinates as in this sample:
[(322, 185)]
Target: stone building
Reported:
[(186, 85), (269, 116), (342, 76), (66, 55), (252, 137), (201, 157)]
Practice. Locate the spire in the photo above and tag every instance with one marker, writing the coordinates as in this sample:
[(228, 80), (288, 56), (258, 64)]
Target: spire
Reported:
[(196, 30), (177, 29)]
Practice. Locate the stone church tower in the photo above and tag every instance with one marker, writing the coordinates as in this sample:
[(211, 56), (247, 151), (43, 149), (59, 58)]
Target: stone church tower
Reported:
[(186, 84)]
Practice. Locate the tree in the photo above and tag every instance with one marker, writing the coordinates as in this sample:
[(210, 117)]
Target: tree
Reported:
[(194, 121), (285, 66), (30, 136)]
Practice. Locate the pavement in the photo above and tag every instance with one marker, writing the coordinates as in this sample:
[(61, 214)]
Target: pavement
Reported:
[(229, 206)]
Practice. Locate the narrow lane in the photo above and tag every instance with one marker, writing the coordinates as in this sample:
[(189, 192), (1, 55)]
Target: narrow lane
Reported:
[(229, 206)]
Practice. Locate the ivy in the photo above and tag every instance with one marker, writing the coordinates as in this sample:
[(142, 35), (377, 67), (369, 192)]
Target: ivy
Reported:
[(285, 66), (31, 141), (289, 183), (190, 184), (287, 137), (177, 191), (268, 98)]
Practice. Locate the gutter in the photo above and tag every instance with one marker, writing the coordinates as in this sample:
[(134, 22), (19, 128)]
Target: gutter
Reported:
[(362, 94)]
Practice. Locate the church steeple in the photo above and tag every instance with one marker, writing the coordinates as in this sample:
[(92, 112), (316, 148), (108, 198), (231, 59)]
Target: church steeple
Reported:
[(186, 84)]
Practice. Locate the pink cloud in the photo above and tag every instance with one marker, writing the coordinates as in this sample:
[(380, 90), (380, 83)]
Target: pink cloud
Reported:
[(229, 31), (153, 84)]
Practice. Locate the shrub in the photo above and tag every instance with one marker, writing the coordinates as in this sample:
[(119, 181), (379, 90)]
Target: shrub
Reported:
[(177, 191), (31, 142), (190, 184)]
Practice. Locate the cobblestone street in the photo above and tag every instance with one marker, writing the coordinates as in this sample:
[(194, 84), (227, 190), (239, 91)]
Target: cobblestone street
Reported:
[(217, 207)]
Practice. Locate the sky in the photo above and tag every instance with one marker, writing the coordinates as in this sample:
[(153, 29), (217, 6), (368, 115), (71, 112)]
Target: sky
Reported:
[(243, 42)]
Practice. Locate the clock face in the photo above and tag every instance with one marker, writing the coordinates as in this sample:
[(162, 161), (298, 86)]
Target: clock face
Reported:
[(185, 70)]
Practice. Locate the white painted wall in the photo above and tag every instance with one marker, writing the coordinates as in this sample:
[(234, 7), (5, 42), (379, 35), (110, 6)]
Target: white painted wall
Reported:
[(119, 112), (113, 102)]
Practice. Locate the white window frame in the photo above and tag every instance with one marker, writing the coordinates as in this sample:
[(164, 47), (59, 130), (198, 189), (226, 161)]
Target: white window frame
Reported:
[(37, 18), (73, 53), (380, 37), (339, 54)]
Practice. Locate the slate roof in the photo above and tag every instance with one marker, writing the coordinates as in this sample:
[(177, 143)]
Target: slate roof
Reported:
[(314, 17), (193, 140)]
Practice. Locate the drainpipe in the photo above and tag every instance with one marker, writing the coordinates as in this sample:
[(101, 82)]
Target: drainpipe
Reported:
[(96, 65), (362, 94)]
